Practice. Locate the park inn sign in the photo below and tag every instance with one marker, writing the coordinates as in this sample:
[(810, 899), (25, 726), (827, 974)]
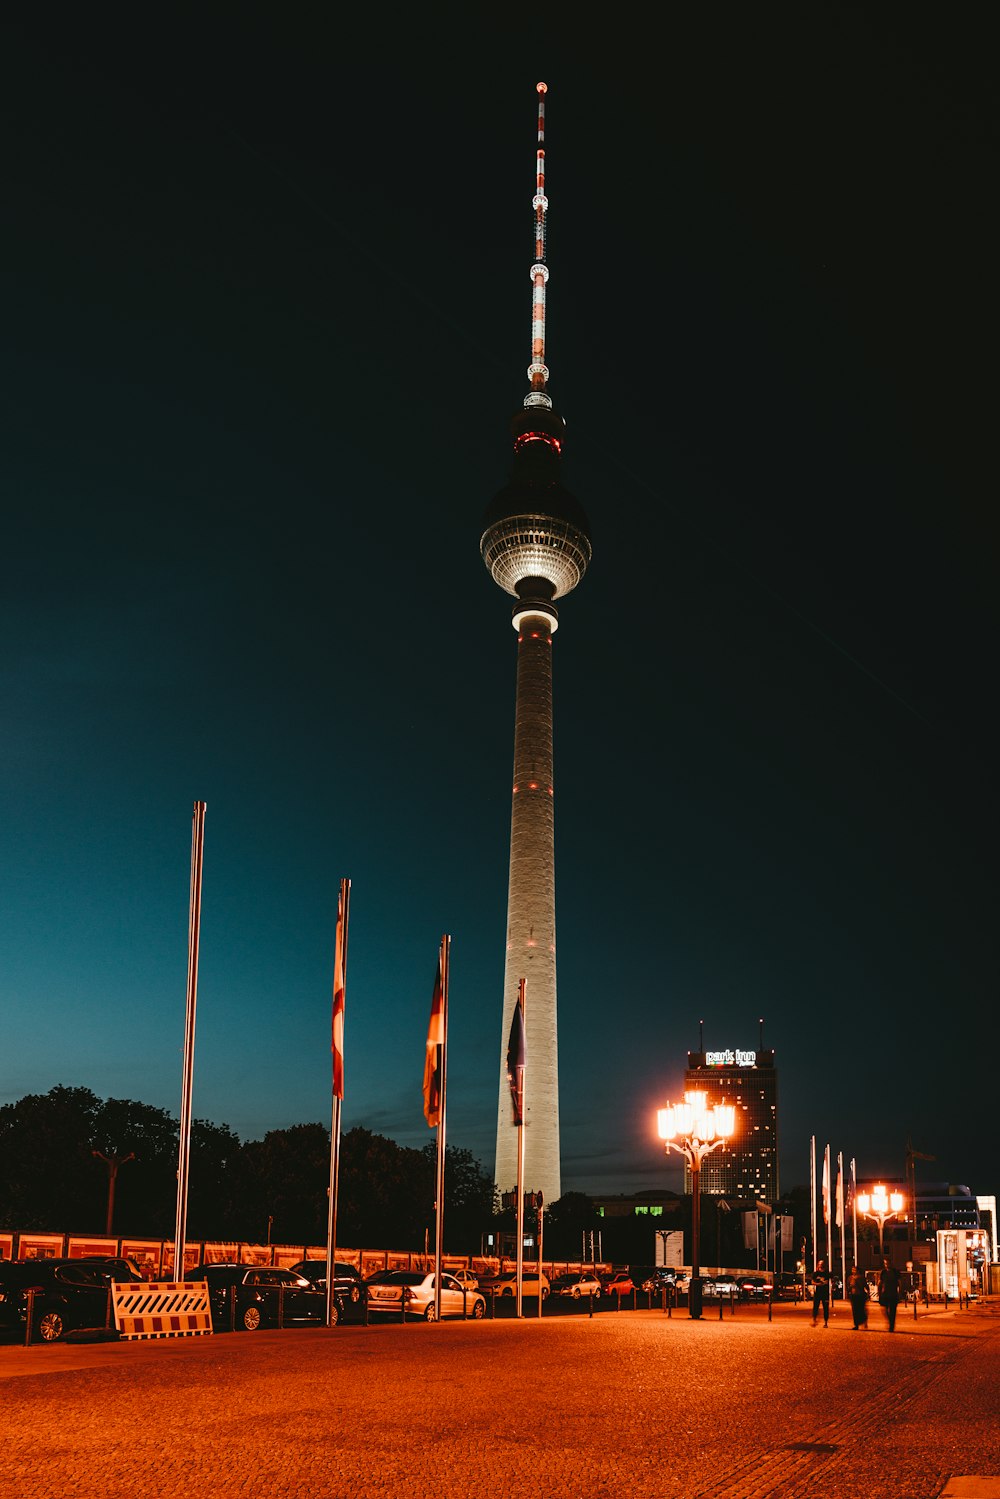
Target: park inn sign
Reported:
[(730, 1059)]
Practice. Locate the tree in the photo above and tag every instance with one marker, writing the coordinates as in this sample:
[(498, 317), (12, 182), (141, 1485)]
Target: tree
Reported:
[(469, 1197), (567, 1221), (285, 1178), (48, 1177)]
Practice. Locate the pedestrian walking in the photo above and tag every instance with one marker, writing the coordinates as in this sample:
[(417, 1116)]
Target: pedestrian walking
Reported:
[(821, 1293), (857, 1294), (888, 1292)]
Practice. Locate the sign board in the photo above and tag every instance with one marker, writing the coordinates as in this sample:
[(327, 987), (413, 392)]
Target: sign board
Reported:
[(670, 1248), (730, 1058)]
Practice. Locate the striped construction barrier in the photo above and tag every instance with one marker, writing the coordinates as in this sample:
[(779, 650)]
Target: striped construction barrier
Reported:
[(161, 1309)]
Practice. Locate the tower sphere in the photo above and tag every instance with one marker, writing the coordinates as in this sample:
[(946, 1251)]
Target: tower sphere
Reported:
[(536, 536)]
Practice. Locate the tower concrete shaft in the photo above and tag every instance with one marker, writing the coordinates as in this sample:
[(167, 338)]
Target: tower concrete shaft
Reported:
[(531, 922)]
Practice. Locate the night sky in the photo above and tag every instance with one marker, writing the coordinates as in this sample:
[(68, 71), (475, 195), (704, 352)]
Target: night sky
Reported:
[(266, 317)]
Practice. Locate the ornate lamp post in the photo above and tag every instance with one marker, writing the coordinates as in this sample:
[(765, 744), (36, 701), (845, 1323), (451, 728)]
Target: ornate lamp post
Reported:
[(694, 1130), (880, 1206)]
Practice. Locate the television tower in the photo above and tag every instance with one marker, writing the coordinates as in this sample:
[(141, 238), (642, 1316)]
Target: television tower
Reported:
[(536, 544)]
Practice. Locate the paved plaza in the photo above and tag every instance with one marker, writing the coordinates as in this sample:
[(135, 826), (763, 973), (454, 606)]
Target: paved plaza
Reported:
[(628, 1403)]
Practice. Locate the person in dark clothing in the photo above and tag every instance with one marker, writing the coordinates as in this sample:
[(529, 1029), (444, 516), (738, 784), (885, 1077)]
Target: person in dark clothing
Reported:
[(821, 1293), (888, 1292), (857, 1293)]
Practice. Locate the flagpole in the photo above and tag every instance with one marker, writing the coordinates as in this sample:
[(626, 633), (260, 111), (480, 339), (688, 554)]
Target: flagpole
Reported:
[(829, 1218), (841, 1215), (439, 1195), (187, 1082), (520, 1179), (812, 1194), (337, 1092), (854, 1206)]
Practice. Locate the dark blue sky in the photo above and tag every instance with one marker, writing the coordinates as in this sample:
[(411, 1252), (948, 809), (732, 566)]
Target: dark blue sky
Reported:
[(266, 318)]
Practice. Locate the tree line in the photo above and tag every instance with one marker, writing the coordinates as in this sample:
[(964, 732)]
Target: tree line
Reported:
[(58, 1151)]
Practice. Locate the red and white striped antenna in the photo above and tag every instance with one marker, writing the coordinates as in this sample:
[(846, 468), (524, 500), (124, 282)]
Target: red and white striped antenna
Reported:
[(537, 372)]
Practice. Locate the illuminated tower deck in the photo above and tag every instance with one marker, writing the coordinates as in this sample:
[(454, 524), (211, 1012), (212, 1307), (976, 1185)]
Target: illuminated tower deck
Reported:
[(536, 544)]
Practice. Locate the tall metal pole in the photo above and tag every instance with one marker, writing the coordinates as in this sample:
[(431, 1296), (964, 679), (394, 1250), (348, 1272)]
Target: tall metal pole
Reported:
[(519, 1262), (812, 1195), (339, 998), (829, 1219), (187, 1086), (854, 1206), (842, 1216), (439, 1216)]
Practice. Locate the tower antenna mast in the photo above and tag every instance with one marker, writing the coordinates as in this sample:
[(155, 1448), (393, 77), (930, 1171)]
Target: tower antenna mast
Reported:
[(538, 374)]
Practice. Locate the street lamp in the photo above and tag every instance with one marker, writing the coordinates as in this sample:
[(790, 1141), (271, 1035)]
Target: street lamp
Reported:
[(880, 1205), (694, 1130)]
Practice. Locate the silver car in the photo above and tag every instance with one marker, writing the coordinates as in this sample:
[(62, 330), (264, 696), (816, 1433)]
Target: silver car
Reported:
[(391, 1290)]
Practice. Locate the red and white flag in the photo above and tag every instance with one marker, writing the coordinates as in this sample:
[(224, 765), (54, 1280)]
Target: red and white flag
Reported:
[(432, 1057), (839, 1220), (826, 1185), (337, 1042)]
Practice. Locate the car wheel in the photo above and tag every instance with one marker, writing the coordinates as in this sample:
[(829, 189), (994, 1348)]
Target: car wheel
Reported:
[(479, 1309), (545, 1293), (507, 1291), (597, 1294), (431, 1313), (355, 1293), (251, 1318), (334, 1314), (50, 1327)]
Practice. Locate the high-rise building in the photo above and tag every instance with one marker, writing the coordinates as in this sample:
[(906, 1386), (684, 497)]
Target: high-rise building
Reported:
[(748, 1166), (536, 544)]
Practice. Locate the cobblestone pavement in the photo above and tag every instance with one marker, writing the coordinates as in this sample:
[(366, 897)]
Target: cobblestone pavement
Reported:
[(625, 1404)]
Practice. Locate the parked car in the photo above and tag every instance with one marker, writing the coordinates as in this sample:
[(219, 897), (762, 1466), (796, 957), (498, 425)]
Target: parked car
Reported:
[(504, 1283), (348, 1282), (788, 1286), (466, 1278), (253, 1296), (719, 1287), (655, 1279), (389, 1290), (618, 1283), (753, 1287), (69, 1294), (576, 1283)]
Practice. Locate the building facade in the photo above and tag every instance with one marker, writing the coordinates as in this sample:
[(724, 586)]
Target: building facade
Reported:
[(748, 1166)]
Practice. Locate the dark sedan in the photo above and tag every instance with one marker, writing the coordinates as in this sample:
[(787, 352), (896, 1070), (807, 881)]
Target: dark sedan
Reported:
[(348, 1283), (251, 1296), (70, 1295)]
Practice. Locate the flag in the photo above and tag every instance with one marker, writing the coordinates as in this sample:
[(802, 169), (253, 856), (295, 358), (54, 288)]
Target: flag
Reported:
[(839, 1220), (826, 1186), (432, 1060), (338, 1003), (515, 1063)]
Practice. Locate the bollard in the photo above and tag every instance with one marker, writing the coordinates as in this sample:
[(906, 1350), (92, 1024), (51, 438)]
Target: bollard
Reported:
[(107, 1310), (720, 1308), (914, 1306), (668, 1301), (732, 1303), (465, 1302), (770, 1302), (29, 1320), (591, 1299), (232, 1308), (281, 1306)]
